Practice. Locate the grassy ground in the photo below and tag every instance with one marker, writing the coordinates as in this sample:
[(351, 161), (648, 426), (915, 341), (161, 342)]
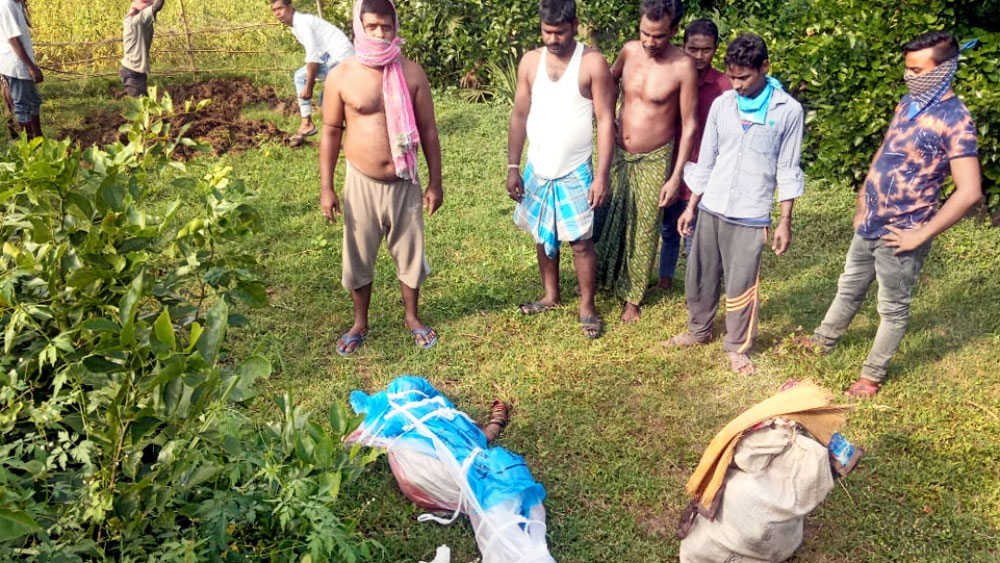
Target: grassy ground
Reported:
[(614, 427)]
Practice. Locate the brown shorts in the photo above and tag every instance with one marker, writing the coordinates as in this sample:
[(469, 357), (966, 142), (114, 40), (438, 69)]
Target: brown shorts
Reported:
[(375, 210)]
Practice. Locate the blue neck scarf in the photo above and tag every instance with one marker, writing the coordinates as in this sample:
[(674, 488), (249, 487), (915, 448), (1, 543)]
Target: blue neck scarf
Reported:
[(754, 110)]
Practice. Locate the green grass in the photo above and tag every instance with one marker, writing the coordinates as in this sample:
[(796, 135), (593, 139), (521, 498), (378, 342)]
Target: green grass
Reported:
[(614, 427)]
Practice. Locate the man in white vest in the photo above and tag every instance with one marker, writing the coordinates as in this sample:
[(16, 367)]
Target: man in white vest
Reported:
[(561, 87)]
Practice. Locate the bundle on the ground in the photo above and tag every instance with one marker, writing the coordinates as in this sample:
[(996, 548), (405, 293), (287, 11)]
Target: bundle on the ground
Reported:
[(441, 461), (759, 478)]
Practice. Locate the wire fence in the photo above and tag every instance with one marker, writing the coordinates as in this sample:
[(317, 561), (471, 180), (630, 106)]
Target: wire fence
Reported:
[(217, 44)]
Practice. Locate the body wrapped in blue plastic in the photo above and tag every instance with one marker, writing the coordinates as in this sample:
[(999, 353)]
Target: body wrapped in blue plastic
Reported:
[(441, 460)]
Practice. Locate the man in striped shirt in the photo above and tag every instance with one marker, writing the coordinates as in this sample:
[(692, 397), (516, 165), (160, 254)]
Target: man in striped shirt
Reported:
[(750, 149)]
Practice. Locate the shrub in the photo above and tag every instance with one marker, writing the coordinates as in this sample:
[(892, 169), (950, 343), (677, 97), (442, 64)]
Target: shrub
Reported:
[(120, 436)]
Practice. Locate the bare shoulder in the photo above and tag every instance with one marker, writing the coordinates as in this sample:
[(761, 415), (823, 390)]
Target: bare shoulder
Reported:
[(413, 71), (530, 59), (630, 47), (681, 62), (594, 59)]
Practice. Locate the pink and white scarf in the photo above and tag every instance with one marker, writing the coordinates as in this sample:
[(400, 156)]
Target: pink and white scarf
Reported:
[(138, 6), (404, 139)]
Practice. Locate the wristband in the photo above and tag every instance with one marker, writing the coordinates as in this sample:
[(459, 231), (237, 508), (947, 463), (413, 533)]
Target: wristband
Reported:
[(509, 166)]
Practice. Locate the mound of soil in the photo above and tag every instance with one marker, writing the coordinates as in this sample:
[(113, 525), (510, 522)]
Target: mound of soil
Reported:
[(218, 124)]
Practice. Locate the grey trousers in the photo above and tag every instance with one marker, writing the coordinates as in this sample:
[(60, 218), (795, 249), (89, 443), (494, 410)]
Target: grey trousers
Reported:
[(869, 260), (722, 249)]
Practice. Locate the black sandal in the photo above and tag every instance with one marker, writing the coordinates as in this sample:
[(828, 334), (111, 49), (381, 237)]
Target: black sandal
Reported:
[(591, 327)]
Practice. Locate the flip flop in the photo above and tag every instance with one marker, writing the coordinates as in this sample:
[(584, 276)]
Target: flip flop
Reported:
[(348, 339), (535, 307), (591, 327), (427, 334), (740, 363), (309, 133), (685, 340)]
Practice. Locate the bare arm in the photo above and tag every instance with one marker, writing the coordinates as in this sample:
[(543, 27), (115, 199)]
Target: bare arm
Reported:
[(517, 130), (312, 69), (329, 145), (423, 106), (603, 91), (157, 6), (617, 69), (688, 98), (36, 73), (968, 192)]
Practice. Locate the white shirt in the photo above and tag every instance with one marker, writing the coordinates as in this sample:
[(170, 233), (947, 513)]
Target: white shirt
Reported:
[(13, 24), (325, 43)]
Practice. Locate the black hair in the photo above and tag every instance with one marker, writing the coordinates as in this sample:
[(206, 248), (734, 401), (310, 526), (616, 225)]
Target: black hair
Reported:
[(945, 45), (702, 26), (285, 2), (379, 8), (748, 50), (656, 10), (555, 12)]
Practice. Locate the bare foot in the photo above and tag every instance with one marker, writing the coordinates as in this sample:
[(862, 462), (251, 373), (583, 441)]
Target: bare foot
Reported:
[(499, 417), (631, 313), (665, 284)]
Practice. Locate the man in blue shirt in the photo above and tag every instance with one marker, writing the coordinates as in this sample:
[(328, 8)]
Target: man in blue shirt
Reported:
[(750, 149)]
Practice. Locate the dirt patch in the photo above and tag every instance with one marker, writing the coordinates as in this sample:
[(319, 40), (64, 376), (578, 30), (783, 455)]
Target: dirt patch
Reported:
[(218, 124)]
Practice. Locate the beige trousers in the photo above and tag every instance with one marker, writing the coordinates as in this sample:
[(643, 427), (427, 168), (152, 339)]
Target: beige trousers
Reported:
[(376, 210)]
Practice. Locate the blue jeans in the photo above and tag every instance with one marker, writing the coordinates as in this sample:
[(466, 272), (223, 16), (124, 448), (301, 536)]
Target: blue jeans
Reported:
[(670, 247), (869, 260), (306, 106), (27, 100)]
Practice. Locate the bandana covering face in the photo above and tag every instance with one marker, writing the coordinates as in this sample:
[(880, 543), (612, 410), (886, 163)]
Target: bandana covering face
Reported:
[(926, 89), (754, 110), (138, 6), (399, 117)]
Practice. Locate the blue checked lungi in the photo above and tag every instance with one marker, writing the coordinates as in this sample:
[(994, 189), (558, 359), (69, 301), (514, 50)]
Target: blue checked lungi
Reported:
[(556, 210)]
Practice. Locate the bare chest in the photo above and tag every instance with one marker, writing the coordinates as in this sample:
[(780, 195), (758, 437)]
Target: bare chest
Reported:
[(649, 83)]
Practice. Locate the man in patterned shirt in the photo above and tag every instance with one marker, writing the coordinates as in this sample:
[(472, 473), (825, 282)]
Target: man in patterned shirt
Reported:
[(896, 216)]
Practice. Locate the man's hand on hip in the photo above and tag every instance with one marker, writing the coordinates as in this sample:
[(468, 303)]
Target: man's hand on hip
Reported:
[(903, 241)]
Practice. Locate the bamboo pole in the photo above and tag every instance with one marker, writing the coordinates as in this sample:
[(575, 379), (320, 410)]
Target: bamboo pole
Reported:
[(319, 8), (187, 31)]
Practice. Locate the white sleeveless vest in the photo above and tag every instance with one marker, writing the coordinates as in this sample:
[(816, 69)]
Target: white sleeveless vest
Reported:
[(561, 121)]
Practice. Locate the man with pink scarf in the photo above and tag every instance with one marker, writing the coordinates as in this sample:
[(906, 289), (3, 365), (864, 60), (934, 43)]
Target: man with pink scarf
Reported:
[(137, 37), (382, 117)]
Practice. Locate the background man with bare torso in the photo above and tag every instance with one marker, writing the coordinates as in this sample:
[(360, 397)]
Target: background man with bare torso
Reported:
[(388, 98), (561, 87), (659, 83)]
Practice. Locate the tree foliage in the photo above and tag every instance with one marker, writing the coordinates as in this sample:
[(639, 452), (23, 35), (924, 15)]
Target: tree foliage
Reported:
[(840, 58), (120, 431)]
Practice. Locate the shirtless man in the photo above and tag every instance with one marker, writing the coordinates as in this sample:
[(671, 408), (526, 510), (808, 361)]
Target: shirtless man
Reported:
[(660, 86), (382, 196), (561, 87)]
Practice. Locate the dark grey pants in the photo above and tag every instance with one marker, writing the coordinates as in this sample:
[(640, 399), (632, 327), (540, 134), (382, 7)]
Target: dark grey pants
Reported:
[(134, 82), (722, 249), (869, 260)]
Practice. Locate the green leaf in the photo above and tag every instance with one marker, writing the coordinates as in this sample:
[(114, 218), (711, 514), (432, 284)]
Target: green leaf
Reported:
[(130, 302), (14, 524), (210, 342), (85, 276), (99, 325), (165, 330), (338, 417), (252, 369)]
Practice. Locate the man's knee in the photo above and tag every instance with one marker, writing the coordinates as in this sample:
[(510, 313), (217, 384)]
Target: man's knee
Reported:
[(582, 248), (894, 311)]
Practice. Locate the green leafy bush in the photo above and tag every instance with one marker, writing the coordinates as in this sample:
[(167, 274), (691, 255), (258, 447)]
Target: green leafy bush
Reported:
[(120, 435)]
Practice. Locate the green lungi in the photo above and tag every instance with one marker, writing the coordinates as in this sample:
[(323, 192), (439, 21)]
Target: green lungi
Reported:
[(626, 249)]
